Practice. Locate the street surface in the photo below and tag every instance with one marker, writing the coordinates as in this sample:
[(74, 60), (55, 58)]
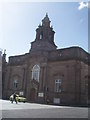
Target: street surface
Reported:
[(32, 110)]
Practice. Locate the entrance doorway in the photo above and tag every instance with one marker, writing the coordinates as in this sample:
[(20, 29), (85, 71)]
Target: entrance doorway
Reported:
[(32, 95)]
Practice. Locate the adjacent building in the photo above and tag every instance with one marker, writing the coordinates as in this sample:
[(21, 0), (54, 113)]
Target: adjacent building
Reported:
[(59, 76), (0, 73)]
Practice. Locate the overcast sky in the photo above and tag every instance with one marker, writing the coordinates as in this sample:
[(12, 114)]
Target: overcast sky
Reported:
[(20, 20)]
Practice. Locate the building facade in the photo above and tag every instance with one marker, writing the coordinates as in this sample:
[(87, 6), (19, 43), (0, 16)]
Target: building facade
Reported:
[(59, 76), (0, 73)]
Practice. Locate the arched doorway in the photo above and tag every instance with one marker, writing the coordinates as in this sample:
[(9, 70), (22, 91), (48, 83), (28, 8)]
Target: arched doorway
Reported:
[(32, 95)]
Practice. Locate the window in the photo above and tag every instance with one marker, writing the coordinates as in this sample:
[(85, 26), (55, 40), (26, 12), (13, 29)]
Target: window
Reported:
[(15, 84), (86, 84), (40, 36), (86, 87), (56, 100), (36, 72), (58, 85)]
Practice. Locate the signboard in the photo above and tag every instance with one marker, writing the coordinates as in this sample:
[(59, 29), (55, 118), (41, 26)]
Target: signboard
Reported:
[(21, 93), (40, 94)]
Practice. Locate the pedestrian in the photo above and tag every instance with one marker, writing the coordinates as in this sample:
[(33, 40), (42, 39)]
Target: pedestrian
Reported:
[(14, 97)]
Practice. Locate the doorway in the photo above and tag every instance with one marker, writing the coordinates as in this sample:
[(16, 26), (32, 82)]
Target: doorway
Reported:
[(32, 95)]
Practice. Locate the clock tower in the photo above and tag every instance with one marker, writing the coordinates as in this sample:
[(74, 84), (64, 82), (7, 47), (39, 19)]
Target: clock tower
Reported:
[(44, 37)]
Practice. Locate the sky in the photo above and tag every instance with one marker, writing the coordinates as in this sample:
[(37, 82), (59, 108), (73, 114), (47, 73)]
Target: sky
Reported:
[(20, 20)]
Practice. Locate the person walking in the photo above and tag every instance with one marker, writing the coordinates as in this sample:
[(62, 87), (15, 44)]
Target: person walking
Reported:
[(14, 97)]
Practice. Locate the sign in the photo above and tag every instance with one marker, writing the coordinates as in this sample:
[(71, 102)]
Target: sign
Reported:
[(21, 93), (40, 94)]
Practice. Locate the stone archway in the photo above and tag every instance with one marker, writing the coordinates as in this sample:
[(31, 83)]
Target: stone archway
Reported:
[(32, 95)]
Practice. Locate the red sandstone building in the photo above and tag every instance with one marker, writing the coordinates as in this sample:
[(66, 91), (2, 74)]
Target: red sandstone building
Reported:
[(47, 73)]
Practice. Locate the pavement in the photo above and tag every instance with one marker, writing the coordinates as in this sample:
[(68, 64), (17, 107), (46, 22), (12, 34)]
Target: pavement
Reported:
[(7, 105), (33, 110)]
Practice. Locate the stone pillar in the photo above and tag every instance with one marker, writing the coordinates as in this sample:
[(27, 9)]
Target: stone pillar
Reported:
[(43, 79)]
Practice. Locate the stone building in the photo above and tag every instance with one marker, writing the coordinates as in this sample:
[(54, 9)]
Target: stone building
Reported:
[(46, 73)]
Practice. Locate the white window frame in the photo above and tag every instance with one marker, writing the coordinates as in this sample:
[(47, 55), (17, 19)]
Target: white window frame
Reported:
[(58, 84), (15, 83), (36, 72)]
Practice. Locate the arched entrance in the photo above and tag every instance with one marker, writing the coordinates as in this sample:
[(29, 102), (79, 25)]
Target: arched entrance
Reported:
[(32, 95)]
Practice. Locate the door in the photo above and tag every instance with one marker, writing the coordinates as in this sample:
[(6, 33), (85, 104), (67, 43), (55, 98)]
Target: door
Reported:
[(32, 95)]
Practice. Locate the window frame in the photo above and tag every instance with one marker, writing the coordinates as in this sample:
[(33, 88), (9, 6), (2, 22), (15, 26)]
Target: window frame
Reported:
[(15, 84), (36, 72), (58, 85)]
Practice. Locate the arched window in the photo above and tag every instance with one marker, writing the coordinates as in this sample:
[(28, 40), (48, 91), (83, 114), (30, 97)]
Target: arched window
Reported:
[(58, 84), (41, 35), (15, 83), (36, 72)]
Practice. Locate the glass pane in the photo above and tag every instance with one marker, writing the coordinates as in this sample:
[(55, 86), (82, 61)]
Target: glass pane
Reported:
[(58, 87), (35, 72)]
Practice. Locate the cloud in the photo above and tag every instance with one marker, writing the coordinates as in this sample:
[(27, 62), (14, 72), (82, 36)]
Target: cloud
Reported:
[(82, 5)]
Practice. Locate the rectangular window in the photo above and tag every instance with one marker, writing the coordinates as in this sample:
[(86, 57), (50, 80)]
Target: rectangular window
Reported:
[(56, 100)]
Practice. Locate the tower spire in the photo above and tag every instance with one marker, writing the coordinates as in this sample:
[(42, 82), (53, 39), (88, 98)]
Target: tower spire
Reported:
[(44, 37), (46, 21)]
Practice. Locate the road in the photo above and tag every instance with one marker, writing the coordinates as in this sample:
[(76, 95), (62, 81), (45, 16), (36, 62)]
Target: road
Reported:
[(32, 110)]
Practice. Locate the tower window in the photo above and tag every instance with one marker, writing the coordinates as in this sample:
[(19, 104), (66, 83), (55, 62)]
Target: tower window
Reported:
[(40, 36)]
